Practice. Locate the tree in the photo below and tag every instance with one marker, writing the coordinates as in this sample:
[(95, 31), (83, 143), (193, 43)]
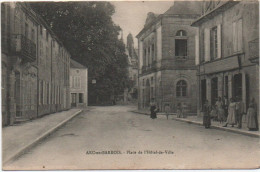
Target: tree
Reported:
[(88, 32)]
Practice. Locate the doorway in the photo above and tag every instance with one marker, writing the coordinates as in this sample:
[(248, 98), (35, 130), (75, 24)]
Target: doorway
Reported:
[(17, 95), (203, 92), (237, 86), (214, 90), (147, 97), (73, 99)]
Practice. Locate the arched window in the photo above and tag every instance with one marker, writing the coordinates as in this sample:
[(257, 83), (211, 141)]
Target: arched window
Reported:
[(181, 44), (181, 33), (181, 88)]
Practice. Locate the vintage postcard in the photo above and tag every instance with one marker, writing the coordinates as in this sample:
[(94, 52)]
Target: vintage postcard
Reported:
[(134, 85)]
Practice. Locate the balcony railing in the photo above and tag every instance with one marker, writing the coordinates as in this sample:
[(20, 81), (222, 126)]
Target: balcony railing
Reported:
[(181, 57), (22, 46), (254, 50), (149, 68)]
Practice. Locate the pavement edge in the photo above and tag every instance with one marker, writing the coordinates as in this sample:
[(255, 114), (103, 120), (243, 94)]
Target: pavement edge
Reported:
[(39, 139), (212, 126)]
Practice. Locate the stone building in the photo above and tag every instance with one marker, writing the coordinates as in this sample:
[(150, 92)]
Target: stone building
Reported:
[(227, 53), (167, 70), (132, 65), (27, 73), (78, 84)]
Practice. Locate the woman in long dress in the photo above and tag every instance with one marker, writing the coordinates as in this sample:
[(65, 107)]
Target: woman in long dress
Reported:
[(153, 110), (206, 115), (220, 110), (231, 119), (251, 117)]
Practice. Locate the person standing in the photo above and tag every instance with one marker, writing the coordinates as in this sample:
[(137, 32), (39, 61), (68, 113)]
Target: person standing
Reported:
[(220, 110), (153, 110), (239, 112), (225, 106), (206, 114), (179, 110), (167, 110), (231, 119), (252, 123)]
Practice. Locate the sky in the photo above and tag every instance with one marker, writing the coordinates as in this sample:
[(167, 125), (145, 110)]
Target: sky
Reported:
[(131, 16)]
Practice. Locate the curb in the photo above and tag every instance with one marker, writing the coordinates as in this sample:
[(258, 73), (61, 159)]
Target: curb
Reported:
[(256, 135), (221, 128), (39, 139)]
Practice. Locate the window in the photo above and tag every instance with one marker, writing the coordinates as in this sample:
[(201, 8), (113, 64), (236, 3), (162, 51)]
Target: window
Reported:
[(152, 81), (41, 29), (47, 93), (181, 44), (33, 35), (214, 90), (181, 33), (153, 53), (76, 82), (180, 47), (144, 60), (237, 36), (26, 30), (47, 35), (152, 92), (214, 43), (181, 88), (80, 97), (148, 56)]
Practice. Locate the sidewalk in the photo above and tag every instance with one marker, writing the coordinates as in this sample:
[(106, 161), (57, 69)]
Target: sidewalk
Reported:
[(198, 120), (17, 139)]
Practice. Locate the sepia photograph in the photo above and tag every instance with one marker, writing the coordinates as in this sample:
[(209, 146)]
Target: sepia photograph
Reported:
[(130, 85)]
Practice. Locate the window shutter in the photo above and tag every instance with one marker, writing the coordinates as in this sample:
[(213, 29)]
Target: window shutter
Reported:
[(234, 37), (197, 50), (207, 44), (219, 40), (239, 35)]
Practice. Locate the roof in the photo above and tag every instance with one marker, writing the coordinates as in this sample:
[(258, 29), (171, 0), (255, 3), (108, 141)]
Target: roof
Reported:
[(74, 64), (193, 8), (186, 8), (209, 15)]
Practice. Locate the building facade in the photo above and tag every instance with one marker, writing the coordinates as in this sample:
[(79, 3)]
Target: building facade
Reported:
[(27, 73), (167, 70), (78, 84), (132, 66), (227, 46)]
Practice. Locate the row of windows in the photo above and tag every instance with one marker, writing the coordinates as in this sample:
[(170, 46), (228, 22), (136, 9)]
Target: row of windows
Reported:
[(148, 82), (181, 48), (49, 93), (149, 55), (75, 82), (212, 41)]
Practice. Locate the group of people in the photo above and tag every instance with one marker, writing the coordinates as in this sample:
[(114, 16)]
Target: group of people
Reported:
[(231, 112), (154, 110)]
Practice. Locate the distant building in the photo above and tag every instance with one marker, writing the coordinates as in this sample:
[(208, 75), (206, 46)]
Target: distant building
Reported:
[(78, 84), (227, 53), (35, 66), (167, 70), (131, 52)]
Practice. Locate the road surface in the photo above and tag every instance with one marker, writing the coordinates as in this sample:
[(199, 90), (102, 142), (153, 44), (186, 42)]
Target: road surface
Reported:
[(137, 142)]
